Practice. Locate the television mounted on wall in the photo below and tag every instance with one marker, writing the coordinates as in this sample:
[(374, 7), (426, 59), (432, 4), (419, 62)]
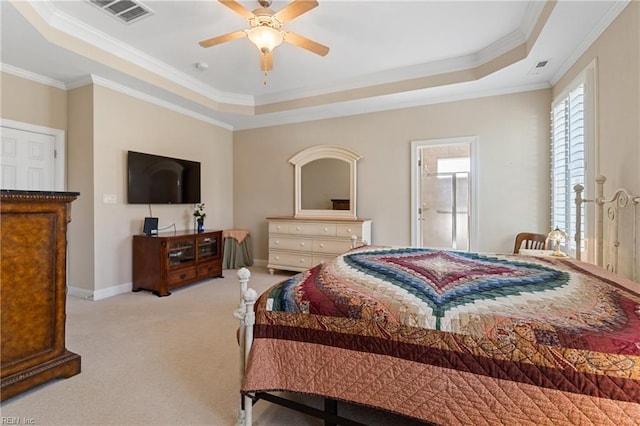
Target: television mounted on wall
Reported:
[(154, 179)]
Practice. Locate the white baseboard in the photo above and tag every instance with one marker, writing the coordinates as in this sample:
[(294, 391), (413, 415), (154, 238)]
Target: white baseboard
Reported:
[(256, 262), (122, 288), (80, 293), (260, 262), (99, 294)]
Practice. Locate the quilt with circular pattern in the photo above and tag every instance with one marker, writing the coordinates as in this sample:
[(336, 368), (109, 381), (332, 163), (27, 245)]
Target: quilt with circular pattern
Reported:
[(455, 338)]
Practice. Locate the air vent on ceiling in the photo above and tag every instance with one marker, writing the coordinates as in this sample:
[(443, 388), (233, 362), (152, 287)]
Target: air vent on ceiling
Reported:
[(539, 67), (127, 11)]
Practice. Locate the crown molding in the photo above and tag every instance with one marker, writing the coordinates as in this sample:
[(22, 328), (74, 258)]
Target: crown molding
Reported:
[(377, 104), (449, 65), (615, 8), (399, 75), (94, 79), (373, 79), (82, 81), (71, 26), (330, 109), (78, 29), (97, 80), (531, 17), (28, 75)]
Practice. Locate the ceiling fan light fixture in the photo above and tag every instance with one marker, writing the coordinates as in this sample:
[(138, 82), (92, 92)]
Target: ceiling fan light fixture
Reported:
[(265, 30), (265, 38)]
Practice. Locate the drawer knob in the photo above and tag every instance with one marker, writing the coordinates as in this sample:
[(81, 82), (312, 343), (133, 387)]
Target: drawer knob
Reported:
[(277, 257), (301, 260), (348, 229), (297, 228), (301, 244), (326, 229), (277, 242), (321, 245)]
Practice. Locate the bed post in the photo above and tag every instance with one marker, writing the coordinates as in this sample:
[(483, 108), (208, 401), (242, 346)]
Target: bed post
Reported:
[(247, 317), (579, 201), (599, 201), (600, 180), (636, 204)]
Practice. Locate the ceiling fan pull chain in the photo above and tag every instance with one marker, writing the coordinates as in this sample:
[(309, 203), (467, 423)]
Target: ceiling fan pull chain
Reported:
[(265, 79)]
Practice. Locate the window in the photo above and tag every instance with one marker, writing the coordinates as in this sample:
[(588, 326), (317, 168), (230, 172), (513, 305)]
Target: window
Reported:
[(567, 158), (572, 142), (454, 165)]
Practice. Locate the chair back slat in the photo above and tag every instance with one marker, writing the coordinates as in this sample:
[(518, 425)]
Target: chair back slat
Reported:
[(530, 241)]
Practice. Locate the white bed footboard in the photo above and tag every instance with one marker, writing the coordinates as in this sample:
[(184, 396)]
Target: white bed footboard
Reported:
[(247, 317), (616, 226)]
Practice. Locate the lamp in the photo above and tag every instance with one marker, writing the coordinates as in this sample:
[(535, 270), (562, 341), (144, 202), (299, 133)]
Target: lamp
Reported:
[(265, 38), (557, 236)]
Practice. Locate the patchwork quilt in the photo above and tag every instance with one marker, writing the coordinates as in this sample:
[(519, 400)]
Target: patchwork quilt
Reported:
[(455, 338)]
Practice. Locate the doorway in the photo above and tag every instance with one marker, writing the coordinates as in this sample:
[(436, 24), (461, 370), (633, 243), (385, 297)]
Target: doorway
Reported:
[(443, 177), (31, 157)]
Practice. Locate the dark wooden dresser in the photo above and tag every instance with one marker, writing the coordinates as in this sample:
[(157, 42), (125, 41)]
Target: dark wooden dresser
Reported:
[(33, 289), (174, 259)]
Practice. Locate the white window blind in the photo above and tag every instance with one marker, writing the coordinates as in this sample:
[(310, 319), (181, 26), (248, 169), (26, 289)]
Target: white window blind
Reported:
[(567, 159)]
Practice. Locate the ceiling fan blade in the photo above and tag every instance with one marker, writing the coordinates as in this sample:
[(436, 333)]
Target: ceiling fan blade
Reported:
[(305, 43), (295, 9), (238, 8), (223, 38), (266, 61)]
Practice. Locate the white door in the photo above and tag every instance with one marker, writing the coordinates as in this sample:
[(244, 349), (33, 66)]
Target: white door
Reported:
[(27, 160), (443, 189)]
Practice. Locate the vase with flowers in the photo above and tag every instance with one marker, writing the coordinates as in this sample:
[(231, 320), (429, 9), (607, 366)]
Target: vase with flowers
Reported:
[(199, 214)]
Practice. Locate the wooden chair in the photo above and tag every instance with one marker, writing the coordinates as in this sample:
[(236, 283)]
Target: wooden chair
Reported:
[(529, 240)]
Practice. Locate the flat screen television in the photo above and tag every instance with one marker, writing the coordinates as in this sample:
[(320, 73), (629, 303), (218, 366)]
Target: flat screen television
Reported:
[(153, 179)]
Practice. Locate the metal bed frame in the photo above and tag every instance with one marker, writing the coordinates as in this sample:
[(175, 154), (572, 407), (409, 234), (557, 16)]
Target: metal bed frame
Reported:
[(247, 317), (615, 206), (620, 200)]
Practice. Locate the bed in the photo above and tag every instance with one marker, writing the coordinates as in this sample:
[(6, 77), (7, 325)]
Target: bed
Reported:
[(449, 337)]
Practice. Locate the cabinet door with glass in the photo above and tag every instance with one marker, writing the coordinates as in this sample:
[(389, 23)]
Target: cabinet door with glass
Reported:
[(208, 248), (181, 252)]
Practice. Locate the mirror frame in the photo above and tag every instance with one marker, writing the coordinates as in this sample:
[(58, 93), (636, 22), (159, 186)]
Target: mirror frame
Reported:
[(320, 152)]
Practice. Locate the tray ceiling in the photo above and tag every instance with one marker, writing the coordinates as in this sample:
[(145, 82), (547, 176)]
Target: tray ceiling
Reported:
[(384, 54)]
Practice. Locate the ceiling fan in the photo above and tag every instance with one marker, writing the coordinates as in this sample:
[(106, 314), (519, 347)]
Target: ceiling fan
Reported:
[(266, 29)]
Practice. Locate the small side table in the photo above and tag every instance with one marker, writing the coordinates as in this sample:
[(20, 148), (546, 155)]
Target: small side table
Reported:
[(237, 250)]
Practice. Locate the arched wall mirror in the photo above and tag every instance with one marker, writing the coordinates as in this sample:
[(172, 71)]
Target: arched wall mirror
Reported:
[(325, 182)]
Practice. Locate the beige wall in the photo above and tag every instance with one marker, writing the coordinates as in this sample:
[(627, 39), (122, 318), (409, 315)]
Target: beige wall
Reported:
[(123, 123), (513, 132), (617, 56), (102, 125), (31, 102), (513, 138), (80, 166), (246, 175)]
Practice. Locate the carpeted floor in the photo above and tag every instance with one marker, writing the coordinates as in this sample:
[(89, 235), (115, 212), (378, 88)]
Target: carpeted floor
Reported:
[(160, 361)]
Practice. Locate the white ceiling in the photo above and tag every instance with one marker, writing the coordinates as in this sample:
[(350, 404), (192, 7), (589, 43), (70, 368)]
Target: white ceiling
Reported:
[(384, 54)]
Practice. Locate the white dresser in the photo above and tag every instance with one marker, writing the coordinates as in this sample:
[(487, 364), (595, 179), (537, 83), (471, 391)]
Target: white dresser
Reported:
[(298, 244)]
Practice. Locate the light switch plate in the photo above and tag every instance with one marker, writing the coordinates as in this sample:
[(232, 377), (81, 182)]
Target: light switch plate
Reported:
[(109, 199)]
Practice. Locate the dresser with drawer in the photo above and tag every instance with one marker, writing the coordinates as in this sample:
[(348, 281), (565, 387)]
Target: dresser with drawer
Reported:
[(299, 244)]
